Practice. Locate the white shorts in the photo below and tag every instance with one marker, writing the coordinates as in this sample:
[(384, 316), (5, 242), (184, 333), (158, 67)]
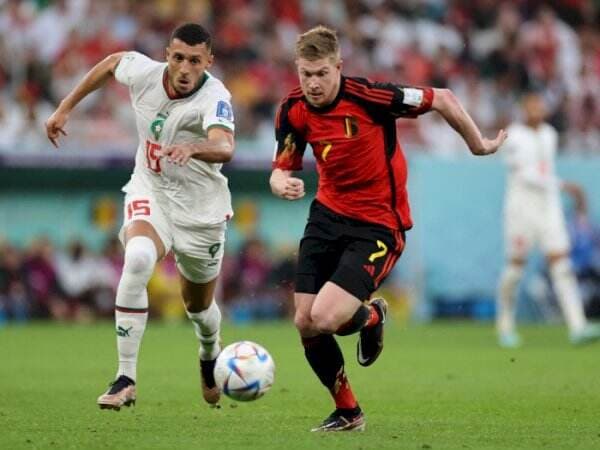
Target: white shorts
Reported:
[(198, 249), (531, 223)]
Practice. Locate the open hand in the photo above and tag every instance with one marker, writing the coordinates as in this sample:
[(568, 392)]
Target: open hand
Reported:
[(489, 146), (178, 154)]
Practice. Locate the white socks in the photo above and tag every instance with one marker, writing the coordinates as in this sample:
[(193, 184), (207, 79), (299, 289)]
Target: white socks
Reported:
[(505, 305), (131, 309), (567, 293), (207, 325), (565, 286)]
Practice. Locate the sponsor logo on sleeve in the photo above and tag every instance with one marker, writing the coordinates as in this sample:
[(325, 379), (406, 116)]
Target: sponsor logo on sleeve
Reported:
[(224, 111)]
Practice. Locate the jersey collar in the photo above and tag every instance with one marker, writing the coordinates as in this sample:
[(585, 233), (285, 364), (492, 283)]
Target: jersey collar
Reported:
[(334, 103), (178, 96)]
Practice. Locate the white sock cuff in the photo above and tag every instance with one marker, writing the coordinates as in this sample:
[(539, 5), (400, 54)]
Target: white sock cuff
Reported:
[(207, 323), (202, 315)]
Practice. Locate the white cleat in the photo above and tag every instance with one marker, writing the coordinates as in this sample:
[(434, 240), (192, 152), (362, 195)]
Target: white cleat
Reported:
[(509, 340), (589, 334)]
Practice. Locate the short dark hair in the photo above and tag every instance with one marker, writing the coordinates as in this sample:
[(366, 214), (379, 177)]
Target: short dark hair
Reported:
[(192, 34)]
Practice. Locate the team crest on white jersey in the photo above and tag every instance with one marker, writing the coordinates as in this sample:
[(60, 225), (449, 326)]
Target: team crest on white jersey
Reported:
[(158, 125)]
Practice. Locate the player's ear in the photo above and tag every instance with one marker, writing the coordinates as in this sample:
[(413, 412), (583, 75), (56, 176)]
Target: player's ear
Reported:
[(167, 52), (210, 60)]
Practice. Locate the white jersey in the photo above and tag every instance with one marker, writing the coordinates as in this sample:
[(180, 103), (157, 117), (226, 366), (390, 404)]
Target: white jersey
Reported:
[(197, 193), (532, 211), (529, 154)]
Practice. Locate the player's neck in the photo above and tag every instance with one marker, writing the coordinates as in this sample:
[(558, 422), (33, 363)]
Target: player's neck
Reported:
[(533, 124)]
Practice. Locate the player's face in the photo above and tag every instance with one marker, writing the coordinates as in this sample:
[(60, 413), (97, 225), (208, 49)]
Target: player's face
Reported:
[(319, 79), (187, 64), (534, 109)]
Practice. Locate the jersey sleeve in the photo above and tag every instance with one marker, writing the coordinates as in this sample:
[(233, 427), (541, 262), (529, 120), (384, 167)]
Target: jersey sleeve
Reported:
[(389, 98), (290, 142), (133, 68), (411, 101), (218, 112)]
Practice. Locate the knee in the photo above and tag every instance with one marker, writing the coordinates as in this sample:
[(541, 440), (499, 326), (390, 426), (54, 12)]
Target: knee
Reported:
[(303, 323), (513, 272), (324, 322), (140, 256), (561, 266)]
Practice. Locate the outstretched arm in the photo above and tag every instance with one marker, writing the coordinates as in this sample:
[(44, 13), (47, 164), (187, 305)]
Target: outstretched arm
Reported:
[(446, 103), (94, 79), (285, 185)]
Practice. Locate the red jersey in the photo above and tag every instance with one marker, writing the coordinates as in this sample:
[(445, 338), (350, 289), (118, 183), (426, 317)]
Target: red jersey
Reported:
[(361, 166)]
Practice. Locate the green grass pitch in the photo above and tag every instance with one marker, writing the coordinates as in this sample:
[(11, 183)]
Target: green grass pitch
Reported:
[(442, 386)]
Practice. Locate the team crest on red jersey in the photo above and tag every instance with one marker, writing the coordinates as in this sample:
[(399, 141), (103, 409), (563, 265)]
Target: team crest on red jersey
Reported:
[(351, 126)]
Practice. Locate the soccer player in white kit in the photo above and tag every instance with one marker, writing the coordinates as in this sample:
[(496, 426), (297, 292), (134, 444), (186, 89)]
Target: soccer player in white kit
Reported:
[(533, 217), (177, 198)]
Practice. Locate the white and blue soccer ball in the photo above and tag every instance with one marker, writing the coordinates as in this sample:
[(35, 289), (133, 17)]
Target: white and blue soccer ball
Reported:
[(244, 371)]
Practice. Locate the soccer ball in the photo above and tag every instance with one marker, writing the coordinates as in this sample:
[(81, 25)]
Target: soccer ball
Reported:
[(244, 371)]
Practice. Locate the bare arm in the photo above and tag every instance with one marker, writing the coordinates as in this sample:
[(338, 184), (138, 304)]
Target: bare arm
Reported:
[(94, 79), (446, 103), (578, 195), (218, 148), (285, 185)]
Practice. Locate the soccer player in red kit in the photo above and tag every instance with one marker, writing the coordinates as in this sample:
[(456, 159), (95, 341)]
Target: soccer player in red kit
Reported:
[(357, 223)]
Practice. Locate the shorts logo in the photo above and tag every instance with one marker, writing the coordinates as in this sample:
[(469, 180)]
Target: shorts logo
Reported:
[(370, 268), (382, 252), (214, 249), (157, 126), (224, 111)]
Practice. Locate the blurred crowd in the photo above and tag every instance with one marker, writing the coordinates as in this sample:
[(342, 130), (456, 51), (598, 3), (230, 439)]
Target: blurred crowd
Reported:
[(77, 284), (74, 283), (487, 51)]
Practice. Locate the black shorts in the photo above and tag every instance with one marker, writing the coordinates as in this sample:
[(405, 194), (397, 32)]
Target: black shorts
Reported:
[(355, 255)]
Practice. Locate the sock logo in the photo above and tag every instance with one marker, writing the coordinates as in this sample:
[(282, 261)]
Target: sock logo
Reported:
[(123, 332), (213, 249)]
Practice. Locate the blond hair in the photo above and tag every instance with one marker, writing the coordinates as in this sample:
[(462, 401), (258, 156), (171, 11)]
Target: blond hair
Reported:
[(317, 43)]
